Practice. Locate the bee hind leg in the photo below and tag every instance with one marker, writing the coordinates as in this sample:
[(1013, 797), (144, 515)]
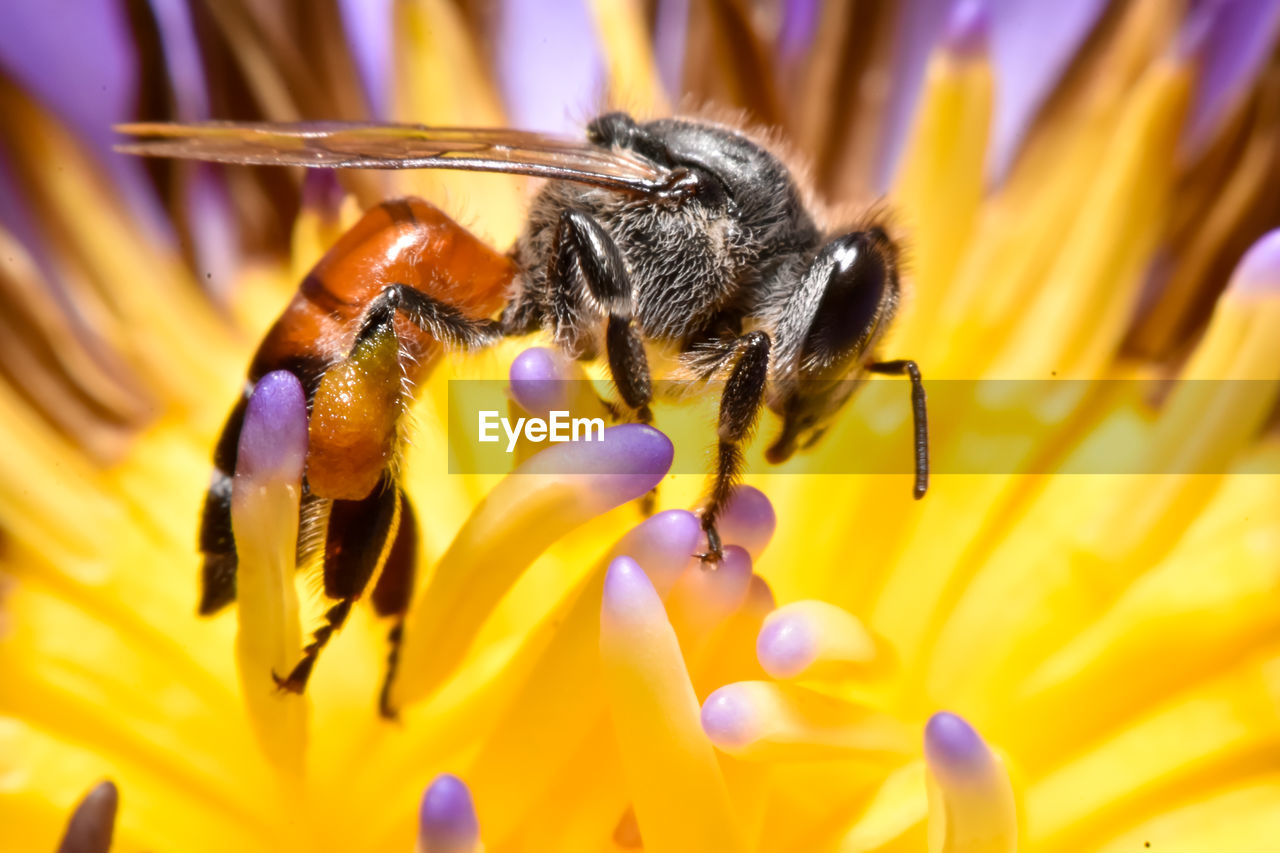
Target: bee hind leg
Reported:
[(391, 596), (441, 320), (740, 405), (217, 543), (358, 539)]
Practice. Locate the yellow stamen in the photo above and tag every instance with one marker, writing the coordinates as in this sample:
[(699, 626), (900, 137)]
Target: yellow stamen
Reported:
[(681, 800), (264, 518), (971, 803), (815, 640), (633, 77), (895, 807), (527, 511), (768, 721), (434, 45), (939, 188)]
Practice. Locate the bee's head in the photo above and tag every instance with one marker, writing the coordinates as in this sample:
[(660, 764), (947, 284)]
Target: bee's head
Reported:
[(845, 302)]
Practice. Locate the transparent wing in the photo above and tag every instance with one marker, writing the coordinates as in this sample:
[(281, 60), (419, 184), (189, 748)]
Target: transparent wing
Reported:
[(358, 145)]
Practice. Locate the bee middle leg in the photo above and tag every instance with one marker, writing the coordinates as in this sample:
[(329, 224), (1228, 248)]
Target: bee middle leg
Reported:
[(740, 406), (583, 243)]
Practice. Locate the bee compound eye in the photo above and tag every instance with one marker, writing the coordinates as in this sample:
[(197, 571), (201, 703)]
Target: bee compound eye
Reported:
[(857, 282)]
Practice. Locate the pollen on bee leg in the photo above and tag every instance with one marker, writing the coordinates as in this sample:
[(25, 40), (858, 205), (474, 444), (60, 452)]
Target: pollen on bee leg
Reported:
[(264, 518), (971, 801), (447, 821), (680, 796), (768, 721), (553, 492), (816, 640)]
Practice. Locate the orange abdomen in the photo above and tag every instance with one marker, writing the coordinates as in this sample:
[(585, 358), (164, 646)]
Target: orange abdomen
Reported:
[(406, 241)]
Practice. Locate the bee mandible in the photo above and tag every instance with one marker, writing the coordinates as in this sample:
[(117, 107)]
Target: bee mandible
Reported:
[(683, 236)]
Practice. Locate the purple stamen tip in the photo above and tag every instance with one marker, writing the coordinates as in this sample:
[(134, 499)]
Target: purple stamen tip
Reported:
[(629, 461), (662, 544), (728, 719), (1258, 273), (968, 28), (628, 593), (735, 568), (953, 747), (748, 520), (447, 819), (538, 381), (785, 646), (273, 439)]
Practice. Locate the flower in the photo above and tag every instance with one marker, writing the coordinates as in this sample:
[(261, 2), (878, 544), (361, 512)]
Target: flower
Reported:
[(1029, 656)]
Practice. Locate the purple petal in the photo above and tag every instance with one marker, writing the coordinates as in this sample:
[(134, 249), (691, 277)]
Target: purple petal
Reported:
[(17, 219), (1235, 38), (670, 41), (273, 439), (214, 235), (799, 25), (1031, 43), (447, 820), (550, 68), (1258, 273), (182, 59), (969, 28), (369, 34), (919, 26), (77, 59)]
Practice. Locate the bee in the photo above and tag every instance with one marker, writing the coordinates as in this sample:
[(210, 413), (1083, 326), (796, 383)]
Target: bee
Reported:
[(675, 236)]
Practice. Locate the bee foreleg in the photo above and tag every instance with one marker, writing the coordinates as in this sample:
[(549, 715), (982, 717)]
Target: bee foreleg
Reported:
[(441, 320), (919, 414), (391, 594), (358, 539), (740, 405)]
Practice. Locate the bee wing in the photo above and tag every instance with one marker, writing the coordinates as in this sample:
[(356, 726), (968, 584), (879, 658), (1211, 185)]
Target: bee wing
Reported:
[(358, 145)]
